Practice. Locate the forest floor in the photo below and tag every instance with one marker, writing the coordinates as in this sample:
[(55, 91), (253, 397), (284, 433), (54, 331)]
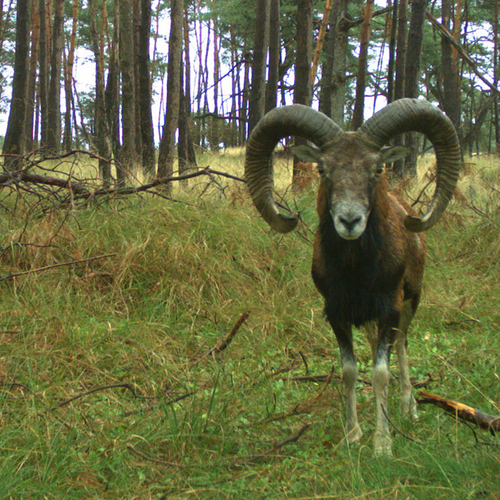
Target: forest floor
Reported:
[(119, 377)]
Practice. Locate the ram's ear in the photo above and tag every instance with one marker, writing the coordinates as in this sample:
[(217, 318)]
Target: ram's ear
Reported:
[(306, 153), (391, 154)]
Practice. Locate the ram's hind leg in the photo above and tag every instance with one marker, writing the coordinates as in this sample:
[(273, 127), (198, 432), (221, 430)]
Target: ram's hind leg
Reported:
[(408, 403)]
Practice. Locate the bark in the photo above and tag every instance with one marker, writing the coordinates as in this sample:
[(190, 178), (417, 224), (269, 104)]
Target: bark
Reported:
[(359, 105), (464, 412), (167, 144), (44, 74), (31, 99), (145, 100), (451, 102), (393, 30), (243, 108), (54, 96), (128, 149), (326, 87), (321, 40), (414, 47), (14, 142), (303, 88), (112, 92), (186, 153), (339, 79), (136, 23), (261, 41), (68, 78), (274, 56), (399, 85), (102, 136), (412, 73), (495, 73)]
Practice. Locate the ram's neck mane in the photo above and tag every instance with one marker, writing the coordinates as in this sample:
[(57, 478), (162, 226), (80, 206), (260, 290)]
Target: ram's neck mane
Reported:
[(357, 291)]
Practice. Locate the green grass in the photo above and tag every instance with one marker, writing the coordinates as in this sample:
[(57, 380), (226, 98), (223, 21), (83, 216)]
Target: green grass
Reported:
[(169, 420)]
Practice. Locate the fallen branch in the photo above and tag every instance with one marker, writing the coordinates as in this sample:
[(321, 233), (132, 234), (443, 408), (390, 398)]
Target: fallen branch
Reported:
[(399, 431), (97, 389), (224, 343), (151, 459), (275, 448), (53, 266), (81, 191), (464, 412)]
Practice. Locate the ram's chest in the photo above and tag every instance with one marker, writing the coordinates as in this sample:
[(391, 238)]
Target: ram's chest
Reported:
[(358, 279)]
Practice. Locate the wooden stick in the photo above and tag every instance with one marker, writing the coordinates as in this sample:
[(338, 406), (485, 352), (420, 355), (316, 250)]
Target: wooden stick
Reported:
[(53, 266), (224, 343), (464, 412), (275, 448)]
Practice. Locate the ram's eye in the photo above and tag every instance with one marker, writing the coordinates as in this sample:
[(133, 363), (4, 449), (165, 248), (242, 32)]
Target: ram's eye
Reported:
[(380, 170), (321, 170)]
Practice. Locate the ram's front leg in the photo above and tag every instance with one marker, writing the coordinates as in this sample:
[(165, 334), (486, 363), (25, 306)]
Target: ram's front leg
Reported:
[(381, 375), (349, 379)]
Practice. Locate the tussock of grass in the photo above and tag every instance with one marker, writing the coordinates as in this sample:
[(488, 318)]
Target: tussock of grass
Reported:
[(170, 421)]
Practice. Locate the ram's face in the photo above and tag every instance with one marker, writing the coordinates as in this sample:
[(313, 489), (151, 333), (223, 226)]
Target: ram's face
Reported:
[(350, 172)]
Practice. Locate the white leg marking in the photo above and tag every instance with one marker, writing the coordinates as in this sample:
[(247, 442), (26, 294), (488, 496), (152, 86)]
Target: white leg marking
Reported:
[(408, 404), (382, 438), (350, 378)]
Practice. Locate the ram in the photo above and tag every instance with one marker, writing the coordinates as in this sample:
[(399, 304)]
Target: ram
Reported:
[(369, 250)]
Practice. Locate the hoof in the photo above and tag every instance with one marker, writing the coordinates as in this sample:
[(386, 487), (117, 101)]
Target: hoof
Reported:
[(409, 408), (354, 436), (382, 446)]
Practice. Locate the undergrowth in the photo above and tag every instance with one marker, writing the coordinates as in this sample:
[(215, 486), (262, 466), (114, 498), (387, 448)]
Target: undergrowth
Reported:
[(116, 382)]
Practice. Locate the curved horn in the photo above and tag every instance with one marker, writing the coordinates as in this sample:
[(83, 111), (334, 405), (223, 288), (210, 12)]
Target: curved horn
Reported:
[(407, 115), (298, 120)]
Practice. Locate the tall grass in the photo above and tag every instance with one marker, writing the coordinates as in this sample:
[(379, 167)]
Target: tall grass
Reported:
[(157, 415)]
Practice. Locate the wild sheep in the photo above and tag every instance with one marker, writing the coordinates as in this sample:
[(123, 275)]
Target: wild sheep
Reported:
[(368, 261)]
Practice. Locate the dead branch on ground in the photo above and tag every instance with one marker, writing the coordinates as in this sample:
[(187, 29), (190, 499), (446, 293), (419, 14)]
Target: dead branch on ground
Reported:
[(53, 266), (274, 449), (461, 411)]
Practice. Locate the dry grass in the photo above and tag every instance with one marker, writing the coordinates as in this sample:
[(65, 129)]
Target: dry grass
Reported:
[(169, 421)]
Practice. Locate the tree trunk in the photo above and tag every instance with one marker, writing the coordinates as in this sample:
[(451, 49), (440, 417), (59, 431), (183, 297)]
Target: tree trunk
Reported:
[(303, 88), (261, 40), (54, 107), (167, 144), (128, 149), (326, 86), (136, 23), (451, 102), (393, 30), (112, 92), (145, 100), (243, 111), (496, 74), (399, 85), (339, 80), (15, 135), (31, 99), (186, 153), (44, 74), (359, 105), (68, 78), (400, 65), (102, 135), (321, 40), (412, 73), (274, 56)]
